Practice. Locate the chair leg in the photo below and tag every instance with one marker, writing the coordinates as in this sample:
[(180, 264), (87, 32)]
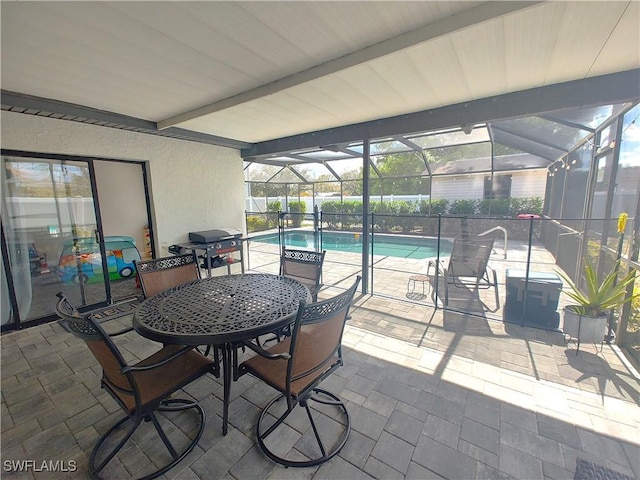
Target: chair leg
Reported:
[(446, 292), (95, 470), (320, 396), (171, 405), (163, 437), (315, 429)]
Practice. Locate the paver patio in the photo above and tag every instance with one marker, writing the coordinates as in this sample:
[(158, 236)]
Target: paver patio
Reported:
[(432, 394)]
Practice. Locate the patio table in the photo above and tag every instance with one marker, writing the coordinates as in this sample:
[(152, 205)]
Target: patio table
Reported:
[(221, 311)]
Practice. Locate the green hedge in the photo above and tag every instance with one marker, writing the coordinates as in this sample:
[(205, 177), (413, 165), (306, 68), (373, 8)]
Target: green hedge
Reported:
[(297, 210), (404, 216)]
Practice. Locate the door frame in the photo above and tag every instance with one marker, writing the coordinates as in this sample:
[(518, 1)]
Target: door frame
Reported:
[(18, 323)]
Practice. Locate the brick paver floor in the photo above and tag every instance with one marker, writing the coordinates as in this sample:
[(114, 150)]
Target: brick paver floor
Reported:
[(431, 394)]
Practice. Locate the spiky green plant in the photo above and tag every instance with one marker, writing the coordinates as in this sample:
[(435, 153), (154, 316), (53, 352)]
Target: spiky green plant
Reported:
[(597, 298)]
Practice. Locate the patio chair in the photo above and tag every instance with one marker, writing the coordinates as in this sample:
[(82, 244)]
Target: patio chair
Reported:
[(468, 266), (166, 272), (304, 266), (141, 389), (295, 367)]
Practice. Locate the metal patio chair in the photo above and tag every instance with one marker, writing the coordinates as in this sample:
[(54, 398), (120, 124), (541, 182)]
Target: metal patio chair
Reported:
[(304, 266), (164, 273), (141, 389), (167, 272), (295, 367)]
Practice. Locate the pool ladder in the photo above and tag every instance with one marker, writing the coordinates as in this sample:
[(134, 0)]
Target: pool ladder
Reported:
[(503, 230)]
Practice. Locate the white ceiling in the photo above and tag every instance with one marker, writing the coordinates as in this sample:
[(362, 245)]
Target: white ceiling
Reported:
[(257, 71)]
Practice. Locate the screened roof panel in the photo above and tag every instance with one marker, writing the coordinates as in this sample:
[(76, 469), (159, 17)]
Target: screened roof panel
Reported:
[(355, 148), (313, 172), (344, 168), (630, 146), (590, 117), (286, 175), (462, 166), (542, 139), (448, 138), (474, 151), (282, 161), (406, 164), (389, 146), (256, 172), (324, 155), (542, 131), (527, 145)]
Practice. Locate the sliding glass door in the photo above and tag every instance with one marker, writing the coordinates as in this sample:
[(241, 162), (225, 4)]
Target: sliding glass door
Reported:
[(52, 240)]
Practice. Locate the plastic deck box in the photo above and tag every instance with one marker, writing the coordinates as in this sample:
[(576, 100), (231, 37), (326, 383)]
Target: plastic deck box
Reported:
[(543, 293)]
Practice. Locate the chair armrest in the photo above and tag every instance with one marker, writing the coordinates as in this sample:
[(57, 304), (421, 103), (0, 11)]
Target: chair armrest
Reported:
[(264, 353), (164, 361)]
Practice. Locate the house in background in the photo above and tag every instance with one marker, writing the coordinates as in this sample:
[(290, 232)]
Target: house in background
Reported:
[(514, 176)]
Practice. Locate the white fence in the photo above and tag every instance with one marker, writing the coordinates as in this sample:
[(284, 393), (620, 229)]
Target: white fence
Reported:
[(259, 204)]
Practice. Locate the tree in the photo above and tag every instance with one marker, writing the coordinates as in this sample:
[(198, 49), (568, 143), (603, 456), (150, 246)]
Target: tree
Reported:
[(401, 174)]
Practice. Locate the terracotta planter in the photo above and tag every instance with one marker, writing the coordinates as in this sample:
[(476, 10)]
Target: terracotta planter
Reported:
[(584, 328)]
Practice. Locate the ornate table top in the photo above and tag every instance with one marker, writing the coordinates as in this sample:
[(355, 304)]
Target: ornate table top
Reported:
[(220, 309)]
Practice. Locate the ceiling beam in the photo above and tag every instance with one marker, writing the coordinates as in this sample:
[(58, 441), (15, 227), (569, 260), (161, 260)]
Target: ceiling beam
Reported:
[(46, 107), (601, 90), (461, 21)]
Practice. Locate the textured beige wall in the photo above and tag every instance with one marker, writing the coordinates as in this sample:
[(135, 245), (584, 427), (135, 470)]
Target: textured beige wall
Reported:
[(193, 186)]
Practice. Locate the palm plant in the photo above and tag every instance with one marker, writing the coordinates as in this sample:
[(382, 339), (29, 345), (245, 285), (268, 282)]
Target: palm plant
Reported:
[(599, 297)]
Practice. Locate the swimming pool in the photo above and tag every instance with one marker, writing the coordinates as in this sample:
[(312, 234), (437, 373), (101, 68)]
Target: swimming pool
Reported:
[(386, 245)]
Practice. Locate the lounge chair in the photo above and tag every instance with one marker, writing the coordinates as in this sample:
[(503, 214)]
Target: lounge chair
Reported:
[(468, 267)]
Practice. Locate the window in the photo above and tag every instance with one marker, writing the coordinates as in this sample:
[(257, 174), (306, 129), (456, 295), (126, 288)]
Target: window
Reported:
[(500, 187)]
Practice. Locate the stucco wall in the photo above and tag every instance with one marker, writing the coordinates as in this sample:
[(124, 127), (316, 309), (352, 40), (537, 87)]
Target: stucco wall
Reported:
[(192, 186)]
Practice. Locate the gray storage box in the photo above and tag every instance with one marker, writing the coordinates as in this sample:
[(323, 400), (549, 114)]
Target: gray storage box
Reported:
[(543, 294)]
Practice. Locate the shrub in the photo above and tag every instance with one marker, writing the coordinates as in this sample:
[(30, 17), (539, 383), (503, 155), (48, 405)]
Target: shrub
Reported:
[(527, 205), (464, 207), (345, 214), (257, 223), (297, 211), (439, 206), (500, 207), (275, 206)]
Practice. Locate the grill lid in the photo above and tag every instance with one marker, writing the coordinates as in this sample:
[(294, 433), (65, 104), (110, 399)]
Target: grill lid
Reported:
[(208, 236)]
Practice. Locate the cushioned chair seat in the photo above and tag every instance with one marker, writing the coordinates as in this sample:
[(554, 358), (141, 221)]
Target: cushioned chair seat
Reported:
[(295, 367), (142, 390)]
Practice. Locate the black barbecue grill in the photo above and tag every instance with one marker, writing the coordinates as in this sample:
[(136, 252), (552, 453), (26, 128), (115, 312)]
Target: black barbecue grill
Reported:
[(216, 248)]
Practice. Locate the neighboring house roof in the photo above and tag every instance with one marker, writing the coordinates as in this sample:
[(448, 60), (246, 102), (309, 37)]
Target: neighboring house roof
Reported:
[(502, 163)]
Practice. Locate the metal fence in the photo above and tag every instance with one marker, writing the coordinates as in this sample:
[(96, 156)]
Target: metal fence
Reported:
[(399, 254)]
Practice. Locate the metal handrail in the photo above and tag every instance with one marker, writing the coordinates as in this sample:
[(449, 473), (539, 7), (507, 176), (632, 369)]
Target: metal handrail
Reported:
[(503, 230)]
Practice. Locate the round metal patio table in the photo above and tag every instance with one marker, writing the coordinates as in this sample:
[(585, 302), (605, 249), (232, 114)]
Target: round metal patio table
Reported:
[(221, 311)]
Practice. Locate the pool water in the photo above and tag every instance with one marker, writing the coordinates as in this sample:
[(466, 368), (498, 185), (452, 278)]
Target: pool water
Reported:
[(385, 245)]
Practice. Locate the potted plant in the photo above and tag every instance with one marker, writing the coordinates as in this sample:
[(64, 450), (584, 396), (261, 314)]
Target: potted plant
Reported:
[(587, 319)]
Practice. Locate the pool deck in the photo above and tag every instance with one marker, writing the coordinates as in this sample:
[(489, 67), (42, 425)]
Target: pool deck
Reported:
[(390, 275), (432, 393)]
